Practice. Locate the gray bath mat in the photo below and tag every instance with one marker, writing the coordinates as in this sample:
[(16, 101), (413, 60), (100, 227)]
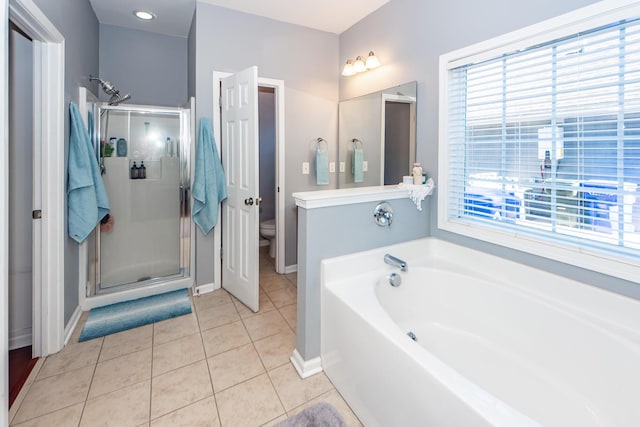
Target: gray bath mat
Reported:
[(319, 415)]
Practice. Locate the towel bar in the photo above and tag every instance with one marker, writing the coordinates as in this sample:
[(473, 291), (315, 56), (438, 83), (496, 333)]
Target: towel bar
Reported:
[(319, 144)]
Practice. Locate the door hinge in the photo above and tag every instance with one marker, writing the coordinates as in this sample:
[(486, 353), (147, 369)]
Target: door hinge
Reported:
[(278, 189), (37, 214)]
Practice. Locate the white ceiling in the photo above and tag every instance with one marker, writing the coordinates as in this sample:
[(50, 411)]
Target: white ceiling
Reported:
[(173, 17)]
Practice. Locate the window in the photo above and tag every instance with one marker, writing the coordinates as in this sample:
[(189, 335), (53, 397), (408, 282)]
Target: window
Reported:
[(540, 139)]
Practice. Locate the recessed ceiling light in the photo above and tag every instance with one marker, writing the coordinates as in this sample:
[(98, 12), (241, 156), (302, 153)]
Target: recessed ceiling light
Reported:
[(144, 15)]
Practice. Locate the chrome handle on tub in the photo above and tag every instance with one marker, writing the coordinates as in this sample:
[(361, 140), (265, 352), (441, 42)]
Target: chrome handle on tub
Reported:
[(383, 214)]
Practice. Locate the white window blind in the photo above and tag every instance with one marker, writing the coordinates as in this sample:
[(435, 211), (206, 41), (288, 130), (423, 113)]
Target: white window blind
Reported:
[(544, 141)]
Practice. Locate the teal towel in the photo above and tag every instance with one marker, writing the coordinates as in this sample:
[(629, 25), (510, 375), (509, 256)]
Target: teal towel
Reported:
[(86, 196), (322, 167), (357, 164), (209, 186)]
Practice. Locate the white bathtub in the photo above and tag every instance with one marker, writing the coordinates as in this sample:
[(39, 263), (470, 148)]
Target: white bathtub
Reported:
[(498, 343)]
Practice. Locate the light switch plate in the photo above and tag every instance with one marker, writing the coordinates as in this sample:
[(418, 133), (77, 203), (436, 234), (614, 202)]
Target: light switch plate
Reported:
[(342, 167), (305, 168), (365, 166), (332, 167)]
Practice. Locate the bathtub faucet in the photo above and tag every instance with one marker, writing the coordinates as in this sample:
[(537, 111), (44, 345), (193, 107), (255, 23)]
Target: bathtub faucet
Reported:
[(396, 262)]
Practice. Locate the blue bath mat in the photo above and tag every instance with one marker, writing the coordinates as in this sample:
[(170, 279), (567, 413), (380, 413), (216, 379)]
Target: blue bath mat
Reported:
[(138, 312)]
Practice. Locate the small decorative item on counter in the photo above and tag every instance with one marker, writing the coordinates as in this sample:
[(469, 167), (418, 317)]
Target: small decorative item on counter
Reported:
[(417, 174), (122, 147), (142, 171), (134, 171)]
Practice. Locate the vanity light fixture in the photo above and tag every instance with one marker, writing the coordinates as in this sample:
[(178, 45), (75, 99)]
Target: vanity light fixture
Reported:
[(348, 69), (144, 15), (360, 65), (372, 61)]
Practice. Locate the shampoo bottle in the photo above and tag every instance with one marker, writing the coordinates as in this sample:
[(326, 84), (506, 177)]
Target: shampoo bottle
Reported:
[(134, 171), (122, 147)]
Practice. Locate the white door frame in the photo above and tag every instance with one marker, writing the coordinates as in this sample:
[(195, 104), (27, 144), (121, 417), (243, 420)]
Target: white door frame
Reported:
[(48, 134), (411, 100), (278, 86), (4, 214)]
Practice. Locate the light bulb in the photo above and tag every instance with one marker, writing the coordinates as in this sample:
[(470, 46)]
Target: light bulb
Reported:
[(359, 66), (372, 61), (144, 15), (348, 69)]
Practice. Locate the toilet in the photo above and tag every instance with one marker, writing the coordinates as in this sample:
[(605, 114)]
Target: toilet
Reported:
[(268, 231)]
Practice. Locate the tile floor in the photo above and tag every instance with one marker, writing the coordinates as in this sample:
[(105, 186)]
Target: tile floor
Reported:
[(221, 365)]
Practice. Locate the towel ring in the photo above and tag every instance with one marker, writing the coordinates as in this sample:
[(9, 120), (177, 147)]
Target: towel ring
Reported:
[(319, 144), (356, 141)]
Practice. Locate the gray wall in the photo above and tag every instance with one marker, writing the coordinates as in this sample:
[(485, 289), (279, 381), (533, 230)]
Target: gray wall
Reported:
[(20, 188), (306, 60), (79, 26), (340, 230), (150, 66), (409, 36)]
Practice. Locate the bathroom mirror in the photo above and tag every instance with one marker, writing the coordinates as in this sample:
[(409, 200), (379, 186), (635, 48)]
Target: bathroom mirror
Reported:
[(377, 137)]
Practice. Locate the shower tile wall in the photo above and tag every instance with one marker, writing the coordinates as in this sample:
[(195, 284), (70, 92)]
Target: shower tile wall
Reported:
[(144, 241)]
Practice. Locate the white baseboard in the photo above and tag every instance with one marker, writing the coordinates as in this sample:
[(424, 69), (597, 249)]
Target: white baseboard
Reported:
[(305, 368), (290, 268), (20, 338), (204, 289), (73, 323)]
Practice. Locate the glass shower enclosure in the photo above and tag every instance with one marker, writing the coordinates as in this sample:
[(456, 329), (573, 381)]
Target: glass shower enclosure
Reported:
[(144, 154)]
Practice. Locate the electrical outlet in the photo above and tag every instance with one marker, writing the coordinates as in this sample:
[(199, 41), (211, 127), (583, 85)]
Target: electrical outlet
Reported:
[(332, 167), (305, 168), (342, 167), (365, 166)]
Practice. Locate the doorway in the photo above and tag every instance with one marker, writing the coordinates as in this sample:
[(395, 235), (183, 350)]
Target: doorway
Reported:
[(21, 202), (267, 176), (278, 98)]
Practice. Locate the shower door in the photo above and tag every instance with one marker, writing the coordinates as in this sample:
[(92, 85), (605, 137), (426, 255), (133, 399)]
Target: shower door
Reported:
[(146, 239)]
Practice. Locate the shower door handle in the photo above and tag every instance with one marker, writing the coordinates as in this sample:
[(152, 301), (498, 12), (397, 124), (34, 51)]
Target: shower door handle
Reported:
[(248, 201)]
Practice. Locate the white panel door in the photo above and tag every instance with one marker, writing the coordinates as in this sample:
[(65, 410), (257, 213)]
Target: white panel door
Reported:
[(240, 219)]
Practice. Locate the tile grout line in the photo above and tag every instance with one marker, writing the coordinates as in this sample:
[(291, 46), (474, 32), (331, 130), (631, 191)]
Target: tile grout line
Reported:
[(93, 374), (206, 360), (153, 338), (266, 371)]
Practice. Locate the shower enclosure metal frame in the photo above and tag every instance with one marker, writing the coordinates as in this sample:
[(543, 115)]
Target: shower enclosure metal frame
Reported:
[(151, 285)]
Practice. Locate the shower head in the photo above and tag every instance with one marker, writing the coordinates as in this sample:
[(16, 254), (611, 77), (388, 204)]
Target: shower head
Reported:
[(117, 99), (111, 90)]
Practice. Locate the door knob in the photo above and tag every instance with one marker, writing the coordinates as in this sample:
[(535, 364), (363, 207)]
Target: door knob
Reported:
[(248, 201), (258, 200)]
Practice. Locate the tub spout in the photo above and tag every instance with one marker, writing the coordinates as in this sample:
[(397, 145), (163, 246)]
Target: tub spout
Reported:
[(396, 262)]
